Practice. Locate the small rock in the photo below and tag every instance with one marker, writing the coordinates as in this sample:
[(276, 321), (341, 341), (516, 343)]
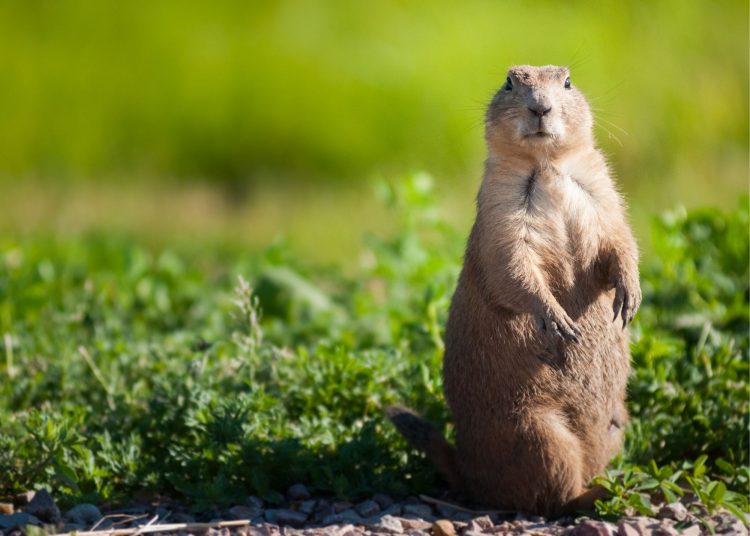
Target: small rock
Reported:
[(472, 533), (480, 524), (44, 507), (637, 526), (625, 528), (443, 527), (253, 501), (322, 509), (290, 517), (393, 510), (415, 524), (350, 516), (242, 511), (6, 508), (675, 510), (445, 511), (368, 508), (538, 527), (297, 492), (307, 507), (692, 530), (25, 498), (729, 524), (593, 528), (181, 517), (264, 529), (507, 526), (17, 520), (332, 519), (419, 510), (388, 523), (665, 529), (345, 530), (463, 517), (340, 506), (83, 514), (383, 500)]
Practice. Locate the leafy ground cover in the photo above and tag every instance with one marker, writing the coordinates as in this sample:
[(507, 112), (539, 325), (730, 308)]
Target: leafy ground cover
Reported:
[(207, 374)]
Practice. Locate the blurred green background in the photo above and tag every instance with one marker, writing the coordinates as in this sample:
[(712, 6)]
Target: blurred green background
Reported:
[(244, 121)]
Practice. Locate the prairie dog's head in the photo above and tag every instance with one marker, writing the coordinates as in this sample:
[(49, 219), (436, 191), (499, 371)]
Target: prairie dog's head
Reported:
[(538, 109)]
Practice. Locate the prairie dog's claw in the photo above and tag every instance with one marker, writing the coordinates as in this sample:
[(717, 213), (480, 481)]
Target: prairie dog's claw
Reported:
[(558, 328), (627, 299)]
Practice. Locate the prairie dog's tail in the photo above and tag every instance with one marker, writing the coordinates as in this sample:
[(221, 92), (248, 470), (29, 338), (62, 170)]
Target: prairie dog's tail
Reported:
[(422, 435)]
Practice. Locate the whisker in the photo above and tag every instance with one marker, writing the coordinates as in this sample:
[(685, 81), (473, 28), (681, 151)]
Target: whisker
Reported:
[(613, 125), (611, 134)]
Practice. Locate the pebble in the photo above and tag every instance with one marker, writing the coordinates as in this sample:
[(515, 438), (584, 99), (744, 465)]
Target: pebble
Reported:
[(20, 519), (74, 527), (729, 524), (383, 500), (443, 527), (388, 523), (340, 506), (253, 501), (242, 511), (415, 524), (43, 506), (181, 517), (332, 519), (290, 517), (393, 510), (22, 499), (368, 508), (307, 507), (419, 510), (480, 524), (83, 514), (637, 526), (625, 528), (593, 528), (351, 516), (297, 492), (346, 530), (675, 510), (692, 530), (6, 508)]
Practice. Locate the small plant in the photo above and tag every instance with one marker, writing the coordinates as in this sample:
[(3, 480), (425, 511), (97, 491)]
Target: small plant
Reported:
[(124, 369)]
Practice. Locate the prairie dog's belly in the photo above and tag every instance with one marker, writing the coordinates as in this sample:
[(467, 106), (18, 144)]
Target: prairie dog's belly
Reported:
[(499, 356)]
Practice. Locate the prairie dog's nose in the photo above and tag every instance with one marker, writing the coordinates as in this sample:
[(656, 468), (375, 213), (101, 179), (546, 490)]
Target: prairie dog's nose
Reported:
[(540, 109)]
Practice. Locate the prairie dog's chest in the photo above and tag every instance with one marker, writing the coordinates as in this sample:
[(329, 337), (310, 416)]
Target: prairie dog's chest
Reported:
[(574, 205)]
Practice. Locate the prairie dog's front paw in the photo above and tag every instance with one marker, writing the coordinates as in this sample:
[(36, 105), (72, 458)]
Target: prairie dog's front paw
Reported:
[(557, 327), (627, 297)]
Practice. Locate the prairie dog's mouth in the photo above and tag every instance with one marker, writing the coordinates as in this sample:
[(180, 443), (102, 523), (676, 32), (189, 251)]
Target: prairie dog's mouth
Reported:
[(539, 134)]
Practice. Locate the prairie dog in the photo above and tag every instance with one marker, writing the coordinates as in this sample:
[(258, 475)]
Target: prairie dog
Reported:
[(536, 347)]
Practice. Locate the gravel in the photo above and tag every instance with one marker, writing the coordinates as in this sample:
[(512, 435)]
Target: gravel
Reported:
[(305, 515), (44, 507)]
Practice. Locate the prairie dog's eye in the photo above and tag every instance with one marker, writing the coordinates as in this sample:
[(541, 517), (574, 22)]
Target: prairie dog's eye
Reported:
[(567, 83), (508, 84)]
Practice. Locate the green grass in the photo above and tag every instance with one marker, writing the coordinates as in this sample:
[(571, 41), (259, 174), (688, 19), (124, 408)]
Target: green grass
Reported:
[(126, 369)]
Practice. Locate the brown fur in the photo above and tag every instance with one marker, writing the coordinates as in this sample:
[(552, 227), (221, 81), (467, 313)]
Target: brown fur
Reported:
[(537, 358)]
